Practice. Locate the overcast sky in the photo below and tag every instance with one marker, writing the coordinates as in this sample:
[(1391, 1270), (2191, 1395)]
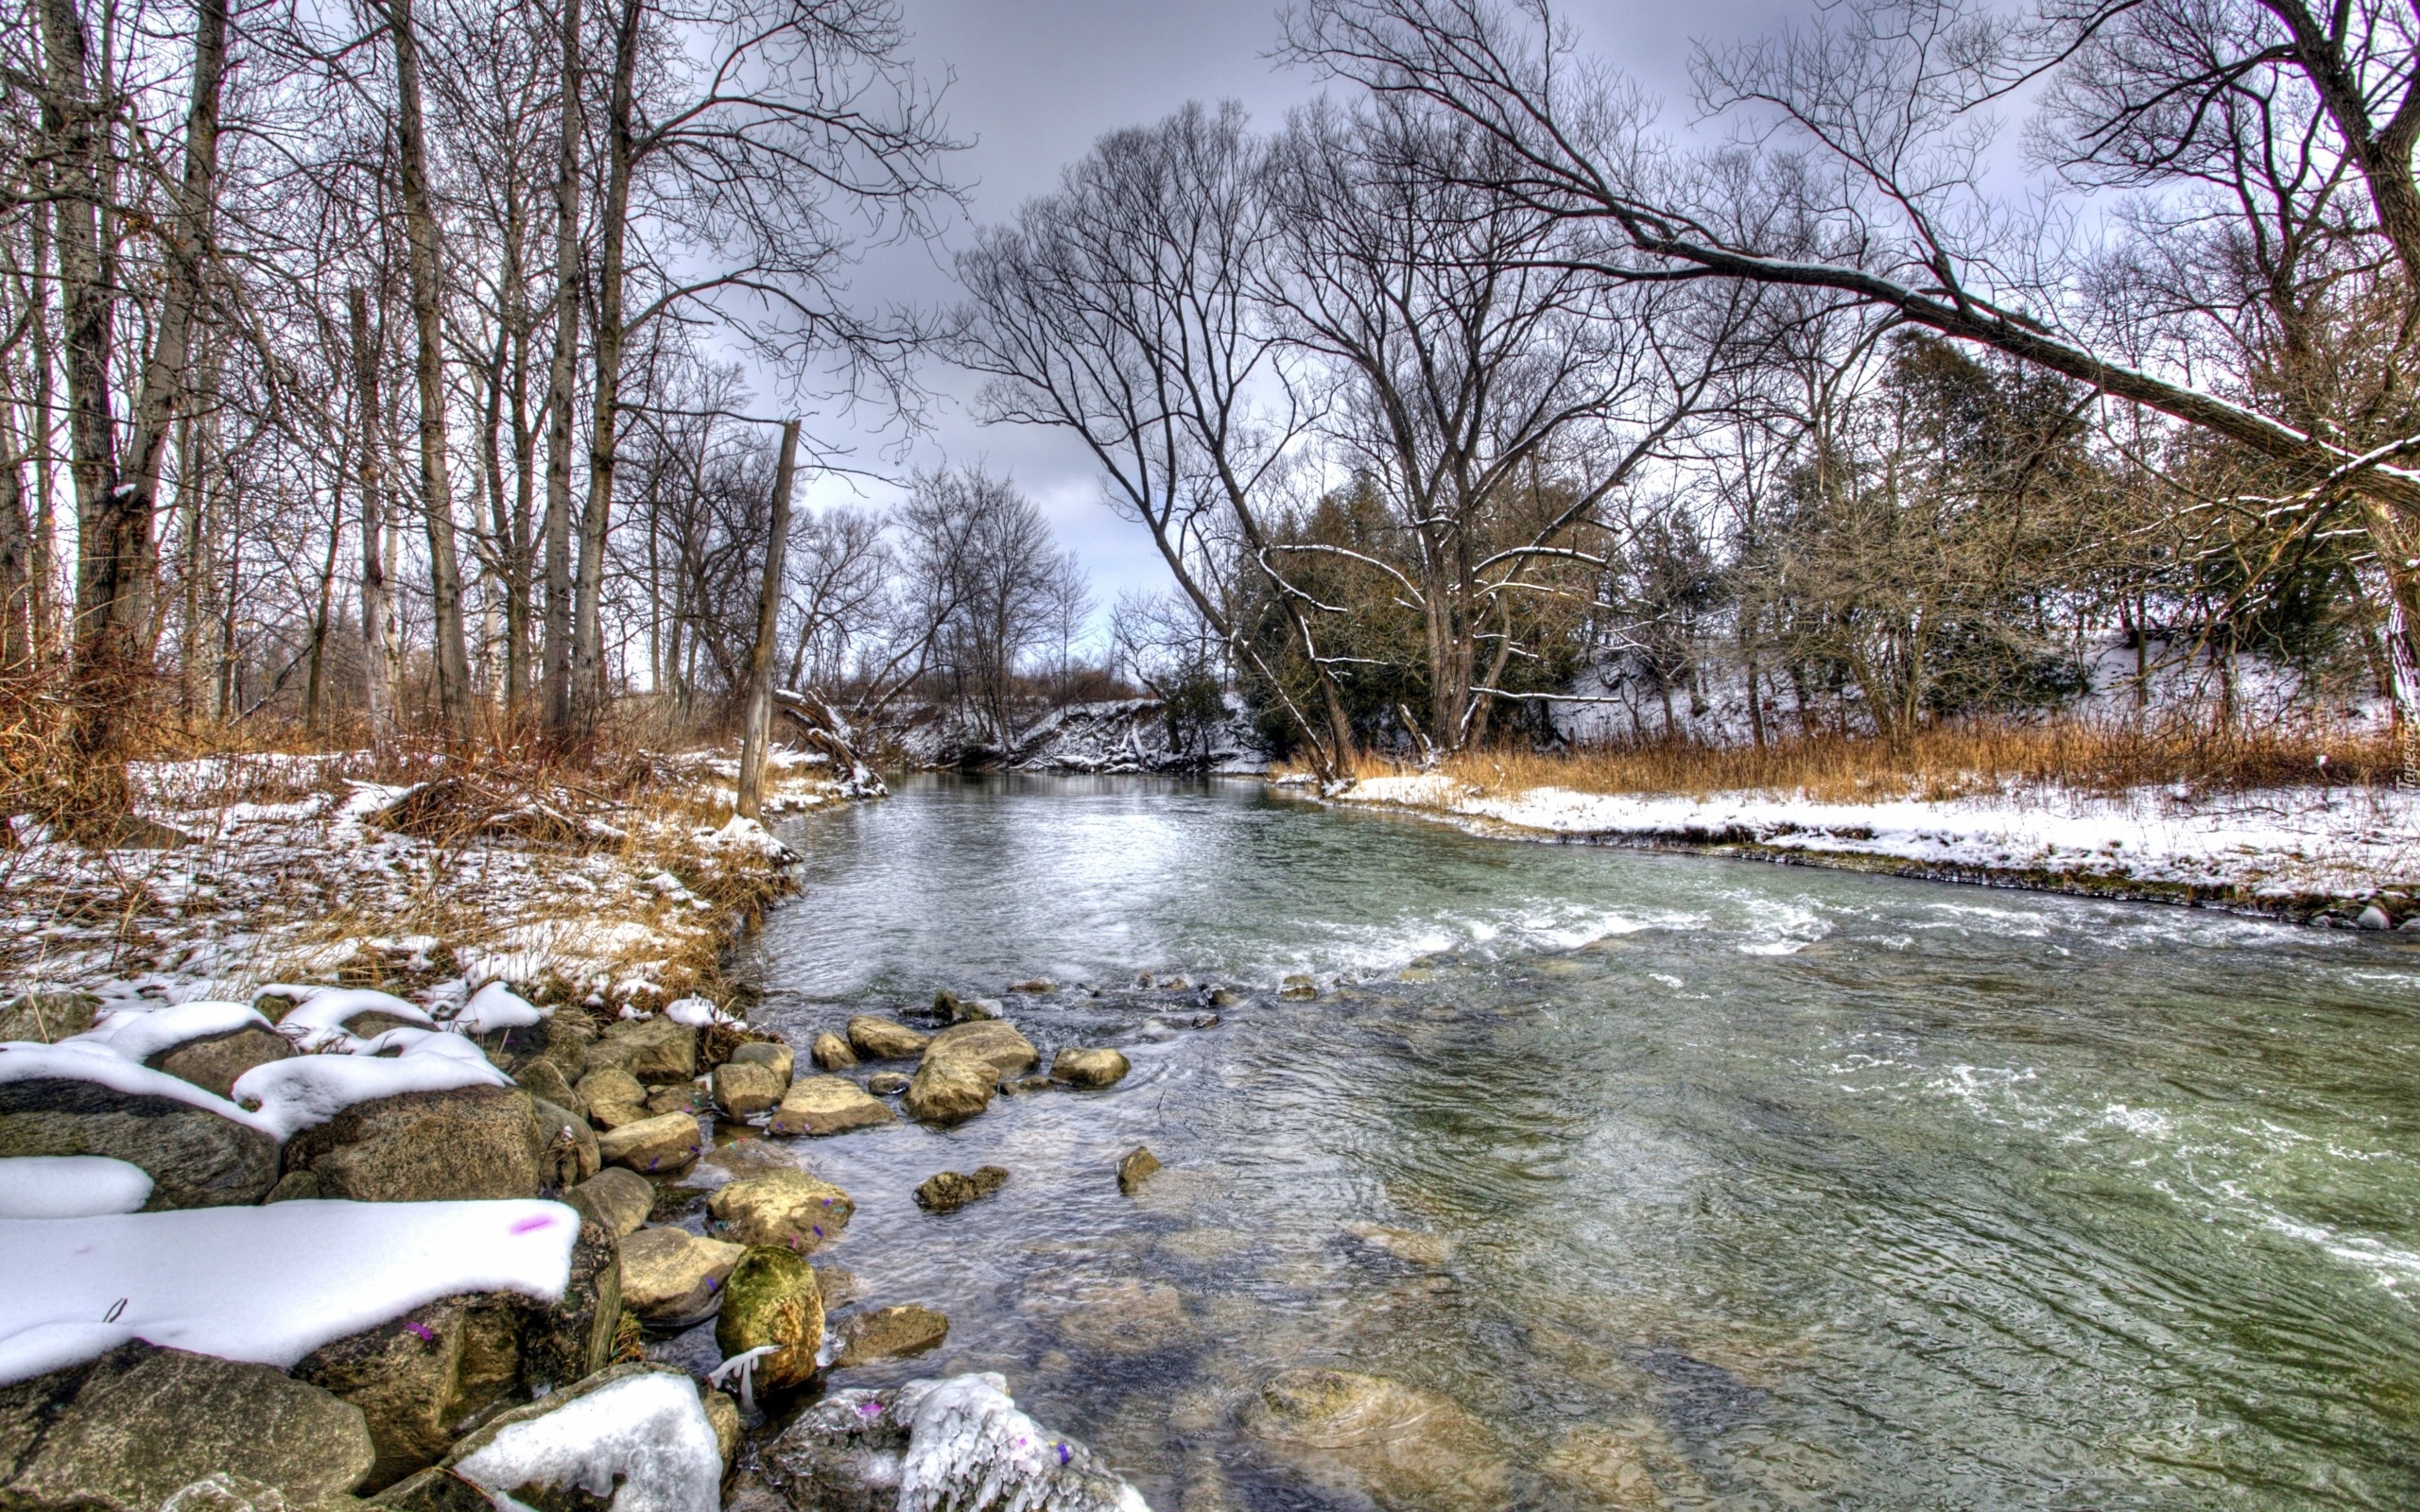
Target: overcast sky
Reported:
[(1034, 82)]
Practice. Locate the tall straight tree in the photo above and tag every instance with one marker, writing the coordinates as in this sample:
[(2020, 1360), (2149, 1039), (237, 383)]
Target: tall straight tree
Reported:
[(429, 374), (554, 675)]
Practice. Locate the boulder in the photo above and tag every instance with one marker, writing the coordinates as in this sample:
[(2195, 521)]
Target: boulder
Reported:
[(433, 1491), (213, 1063), (611, 1116), (772, 1301), (670, 1276), (568, 1032), (680, 1097), (128, 1431), (469, 1144), (1034, 986), (949, 1190), (723, 1416), (786, 1209), (653, 1050), (46, 1018), (633, 1436), (742, 1089), (567, 1153), (653, 1146), (610, 1086), (832, 1053), (888, 1333), (772, 1052), (544, 1080), (990, 1041), (951, 1008), (884, 1039), (827, 1105), (195, 1158), (888, 1083), (1135, 1168), (1088, 1069), (1358, 1435), (950, 1091), (615, 1198), (1297, 987), (419, 1377)]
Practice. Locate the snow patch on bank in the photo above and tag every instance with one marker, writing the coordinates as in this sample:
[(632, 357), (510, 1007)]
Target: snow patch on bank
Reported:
[(266, 1284), (2281, 842), (70, 1186)]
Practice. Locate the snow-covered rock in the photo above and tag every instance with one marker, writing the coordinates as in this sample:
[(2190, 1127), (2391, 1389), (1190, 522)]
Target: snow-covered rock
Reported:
[(266, 1285), (308, 1090), (140, 1035), (70, 1186), (323, 1016), (636, 1434), (496, 1007), (200, 1150)]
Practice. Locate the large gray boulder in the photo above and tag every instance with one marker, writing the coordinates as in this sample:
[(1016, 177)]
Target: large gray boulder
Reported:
[(471, 1144), (195, 1158), (213, 1063), (420, 1379), (126, 1432)]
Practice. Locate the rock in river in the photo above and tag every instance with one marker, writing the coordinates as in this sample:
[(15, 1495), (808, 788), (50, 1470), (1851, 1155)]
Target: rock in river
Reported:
[(771, 1302), (1088, 1067), (1397, 1445), (884, 1039), (832, 1053), (653, 1146), (827, 1105), (950, 1091), (888, 1333), (671, 1276), (992, 1042), (771, 1054), (195, 1158), (743, 1090), (888, 1083), (788, 1209), (1137, 1168), (125, 1432), (949, 1190)]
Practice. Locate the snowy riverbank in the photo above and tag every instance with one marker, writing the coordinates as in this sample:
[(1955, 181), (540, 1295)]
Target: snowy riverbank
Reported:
[(2317, 855)]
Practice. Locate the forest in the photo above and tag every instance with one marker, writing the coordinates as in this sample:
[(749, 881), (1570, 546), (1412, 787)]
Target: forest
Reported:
[(384, 374)]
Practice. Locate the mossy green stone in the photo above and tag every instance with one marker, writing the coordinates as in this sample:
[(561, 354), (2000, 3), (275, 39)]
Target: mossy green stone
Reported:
[(772, 1297)]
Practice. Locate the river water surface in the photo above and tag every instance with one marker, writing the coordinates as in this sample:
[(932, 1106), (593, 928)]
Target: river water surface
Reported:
[(1694, 1182)]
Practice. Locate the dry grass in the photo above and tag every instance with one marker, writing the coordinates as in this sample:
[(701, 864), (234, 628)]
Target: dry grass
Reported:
[(1951, 761)]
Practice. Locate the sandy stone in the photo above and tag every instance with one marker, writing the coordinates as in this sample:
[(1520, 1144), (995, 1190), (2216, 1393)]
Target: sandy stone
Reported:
[(991, 1041), (1089, 1069), (610, 1086), (654, 1050), (1404, 1244), (949, 1190), (1135, 1168), (950, 1091), (827, 1105), (653, 1146), (878, 1038), (742, 1089), (671, 1276), (770, 1053), (788, 1210), (213, 1064), (1397, 1445), (615, 1198), (832, 1053), (889, 1333)]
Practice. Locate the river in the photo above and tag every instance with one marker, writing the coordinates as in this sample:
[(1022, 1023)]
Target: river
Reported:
[(1694, 1182)]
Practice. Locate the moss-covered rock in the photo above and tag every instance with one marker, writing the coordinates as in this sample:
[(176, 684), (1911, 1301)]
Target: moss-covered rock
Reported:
[(772, 1300)]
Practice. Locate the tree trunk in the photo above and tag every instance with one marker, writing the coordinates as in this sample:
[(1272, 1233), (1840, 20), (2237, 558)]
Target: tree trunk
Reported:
[(553, 677), (113, 539), (315, 690), (758, 727), (381, 659), (429, 373), (604, 431)]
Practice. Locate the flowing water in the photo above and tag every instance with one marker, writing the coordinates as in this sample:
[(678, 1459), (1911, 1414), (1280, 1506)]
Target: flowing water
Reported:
[(1692, 1182)]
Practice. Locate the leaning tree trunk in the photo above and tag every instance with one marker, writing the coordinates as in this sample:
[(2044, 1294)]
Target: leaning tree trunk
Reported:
[(429, 373)]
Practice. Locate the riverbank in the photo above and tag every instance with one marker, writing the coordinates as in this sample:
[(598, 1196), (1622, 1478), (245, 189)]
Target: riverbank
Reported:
[(2331, 855), (431, 882)]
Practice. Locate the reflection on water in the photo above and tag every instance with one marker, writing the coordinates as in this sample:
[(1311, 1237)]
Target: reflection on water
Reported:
[(1650, 1181)]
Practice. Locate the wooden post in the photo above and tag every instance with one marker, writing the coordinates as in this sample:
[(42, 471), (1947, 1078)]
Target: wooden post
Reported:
[(759, 726)]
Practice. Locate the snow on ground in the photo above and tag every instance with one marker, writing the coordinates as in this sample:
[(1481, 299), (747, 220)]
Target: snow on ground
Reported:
[(70, 1186), (267, 1285), (286, 878), (2280, 843)]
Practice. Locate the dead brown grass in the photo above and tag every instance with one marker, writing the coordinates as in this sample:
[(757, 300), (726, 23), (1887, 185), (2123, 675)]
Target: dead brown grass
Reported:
[(1950, 761)]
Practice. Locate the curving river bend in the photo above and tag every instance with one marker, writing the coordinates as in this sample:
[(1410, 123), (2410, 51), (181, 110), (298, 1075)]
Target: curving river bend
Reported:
[(1698, 1183)]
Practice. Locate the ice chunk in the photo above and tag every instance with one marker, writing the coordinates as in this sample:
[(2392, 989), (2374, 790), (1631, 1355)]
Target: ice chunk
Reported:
[(969, 1447), (300, 1092), (139, 1033), (22, 1060), (498, 1007), (70, 1186), (266, 1285), (647, 1433)]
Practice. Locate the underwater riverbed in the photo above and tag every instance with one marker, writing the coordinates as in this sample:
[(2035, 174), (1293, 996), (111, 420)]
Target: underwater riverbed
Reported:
[(1653, 1180)]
